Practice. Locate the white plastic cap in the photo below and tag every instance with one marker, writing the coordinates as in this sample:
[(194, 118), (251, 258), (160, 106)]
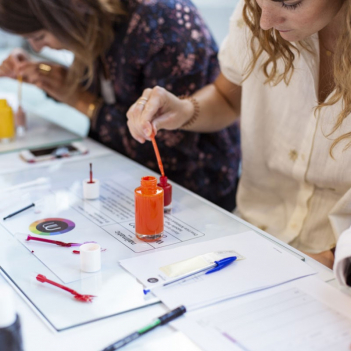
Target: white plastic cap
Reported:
[(7, 306), (90, 257), (91, 191)]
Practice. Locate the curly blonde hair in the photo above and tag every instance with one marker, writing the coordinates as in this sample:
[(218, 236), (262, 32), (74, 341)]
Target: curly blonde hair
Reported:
[(277, 48)]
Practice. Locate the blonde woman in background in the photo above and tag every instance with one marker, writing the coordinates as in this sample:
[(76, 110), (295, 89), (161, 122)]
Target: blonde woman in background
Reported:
[(286, 70)]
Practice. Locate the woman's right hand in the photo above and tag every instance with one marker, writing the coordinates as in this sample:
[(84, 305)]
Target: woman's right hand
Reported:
[(10, 66), (157, 109)]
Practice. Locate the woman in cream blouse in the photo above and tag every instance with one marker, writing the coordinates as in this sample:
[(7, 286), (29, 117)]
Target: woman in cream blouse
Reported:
[(285, 69)]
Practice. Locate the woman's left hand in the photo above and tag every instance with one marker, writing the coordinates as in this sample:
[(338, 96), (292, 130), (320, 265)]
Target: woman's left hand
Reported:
[(52, 78), (325, 257)]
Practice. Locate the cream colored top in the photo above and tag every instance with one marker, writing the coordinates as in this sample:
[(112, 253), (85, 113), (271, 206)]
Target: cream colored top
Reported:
[(290, 186)]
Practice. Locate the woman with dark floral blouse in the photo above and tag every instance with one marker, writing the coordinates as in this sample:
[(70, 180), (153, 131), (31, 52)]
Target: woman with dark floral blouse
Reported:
[(121, 48)]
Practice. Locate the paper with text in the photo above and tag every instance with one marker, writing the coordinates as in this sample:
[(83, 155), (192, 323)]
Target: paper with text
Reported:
[(303, 315)]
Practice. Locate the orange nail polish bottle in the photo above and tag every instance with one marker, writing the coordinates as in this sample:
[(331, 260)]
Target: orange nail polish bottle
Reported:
[(149, 210)]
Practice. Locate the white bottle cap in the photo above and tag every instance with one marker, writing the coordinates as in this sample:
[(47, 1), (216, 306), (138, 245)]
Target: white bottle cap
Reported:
[(91, 191), (90, 257), (7, 306)]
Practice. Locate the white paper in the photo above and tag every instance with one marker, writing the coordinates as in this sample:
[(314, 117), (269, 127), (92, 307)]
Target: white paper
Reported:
[(265, 265), (306, 314)]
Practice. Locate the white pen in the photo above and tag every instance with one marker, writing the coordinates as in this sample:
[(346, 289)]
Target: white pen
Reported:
[(216, 266)]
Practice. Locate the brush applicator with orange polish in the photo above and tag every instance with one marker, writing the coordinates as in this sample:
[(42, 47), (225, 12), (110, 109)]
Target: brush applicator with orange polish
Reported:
[(167, 188)]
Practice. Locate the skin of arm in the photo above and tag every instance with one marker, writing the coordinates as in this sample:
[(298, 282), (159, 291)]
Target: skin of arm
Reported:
[(163, 110), (325, 257)]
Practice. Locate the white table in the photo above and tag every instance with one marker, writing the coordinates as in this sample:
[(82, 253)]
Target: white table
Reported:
[(95, 336)]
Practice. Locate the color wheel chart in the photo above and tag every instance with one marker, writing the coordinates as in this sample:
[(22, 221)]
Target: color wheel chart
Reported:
[(51, 226)]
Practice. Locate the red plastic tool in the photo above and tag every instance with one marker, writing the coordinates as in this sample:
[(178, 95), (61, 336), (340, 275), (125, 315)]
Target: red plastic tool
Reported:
[(80, 297)]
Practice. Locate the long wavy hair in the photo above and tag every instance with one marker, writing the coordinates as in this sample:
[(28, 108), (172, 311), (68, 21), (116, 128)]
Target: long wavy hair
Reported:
[(84, 27), (277, 49)]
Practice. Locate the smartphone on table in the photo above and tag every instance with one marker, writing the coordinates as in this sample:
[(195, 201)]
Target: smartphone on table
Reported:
[(51, 153)]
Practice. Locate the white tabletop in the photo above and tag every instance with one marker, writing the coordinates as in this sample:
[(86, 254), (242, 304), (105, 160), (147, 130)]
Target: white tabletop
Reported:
[(97, 335)]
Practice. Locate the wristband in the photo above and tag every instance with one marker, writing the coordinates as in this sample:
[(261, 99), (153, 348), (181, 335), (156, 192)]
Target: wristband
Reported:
[(196, 113)]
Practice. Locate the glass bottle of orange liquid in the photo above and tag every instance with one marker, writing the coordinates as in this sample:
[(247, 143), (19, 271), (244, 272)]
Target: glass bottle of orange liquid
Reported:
[(7, 123), (149, 210)]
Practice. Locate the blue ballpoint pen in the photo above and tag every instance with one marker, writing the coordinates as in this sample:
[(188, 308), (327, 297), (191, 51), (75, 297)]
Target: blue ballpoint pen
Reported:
[(216, 266)]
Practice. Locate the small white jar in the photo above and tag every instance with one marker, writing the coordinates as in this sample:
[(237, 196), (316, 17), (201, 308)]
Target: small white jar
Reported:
[(90, 257), (91, 191)]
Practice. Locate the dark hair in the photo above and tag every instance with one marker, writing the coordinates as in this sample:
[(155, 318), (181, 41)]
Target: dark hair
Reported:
[(84, 27)]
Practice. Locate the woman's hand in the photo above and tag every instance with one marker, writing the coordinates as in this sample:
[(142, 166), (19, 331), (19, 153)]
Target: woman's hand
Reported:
[(52, 79), (157, 109), (10, 66), (325, 257)]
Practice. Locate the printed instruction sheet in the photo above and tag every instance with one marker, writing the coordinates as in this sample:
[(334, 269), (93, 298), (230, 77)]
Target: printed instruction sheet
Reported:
[(63, 215)]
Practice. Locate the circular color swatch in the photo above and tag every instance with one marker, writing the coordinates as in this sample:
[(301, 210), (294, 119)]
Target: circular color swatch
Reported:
[(51, 226)]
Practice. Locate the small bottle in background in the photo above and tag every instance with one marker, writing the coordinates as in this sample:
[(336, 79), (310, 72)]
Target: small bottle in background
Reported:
[(20, 122), (167, 189), (10, 327), (20, 116), (7, 123), (149, 204)]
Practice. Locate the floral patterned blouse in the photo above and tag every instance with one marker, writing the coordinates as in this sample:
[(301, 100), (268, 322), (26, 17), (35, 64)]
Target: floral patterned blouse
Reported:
[(166, 43)]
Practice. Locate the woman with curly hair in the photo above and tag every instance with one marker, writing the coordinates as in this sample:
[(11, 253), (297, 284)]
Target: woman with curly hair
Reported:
[(286, 70), (120, 48)]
